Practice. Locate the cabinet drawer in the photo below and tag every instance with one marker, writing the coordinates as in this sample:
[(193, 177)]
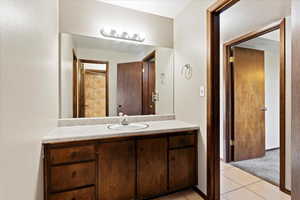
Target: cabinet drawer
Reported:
[(72, 176), (72, 154), (182, 141), (81, 194)]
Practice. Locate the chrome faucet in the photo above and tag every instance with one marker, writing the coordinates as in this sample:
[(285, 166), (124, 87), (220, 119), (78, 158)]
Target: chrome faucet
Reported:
[(123, 119)]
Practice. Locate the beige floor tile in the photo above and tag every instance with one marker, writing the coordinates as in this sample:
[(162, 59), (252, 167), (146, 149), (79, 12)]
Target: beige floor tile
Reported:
[(239, 176), (163, 198), (185, 195), (268, 191), (224, 165), (192, 195), (228, 185), (175, 196), (242, 194)]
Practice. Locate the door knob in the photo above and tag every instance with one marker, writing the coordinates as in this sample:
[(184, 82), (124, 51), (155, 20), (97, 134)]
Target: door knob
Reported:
[(264, 109)]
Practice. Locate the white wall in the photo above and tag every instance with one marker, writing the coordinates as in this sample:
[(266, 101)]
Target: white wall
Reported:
[(114, 58), (272, 88), (66, 75), (190, 48), (28, 93), (164, 62), (89, 17), (288, 99)]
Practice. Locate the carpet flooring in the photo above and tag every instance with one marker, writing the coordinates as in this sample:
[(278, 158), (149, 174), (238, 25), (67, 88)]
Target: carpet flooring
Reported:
[(266, 167)]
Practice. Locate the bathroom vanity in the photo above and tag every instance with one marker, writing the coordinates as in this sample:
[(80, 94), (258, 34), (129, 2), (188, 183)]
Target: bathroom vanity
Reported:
[(94, 162)]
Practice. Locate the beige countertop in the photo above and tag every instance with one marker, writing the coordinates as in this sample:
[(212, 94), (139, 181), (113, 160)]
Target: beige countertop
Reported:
[(77, 133)]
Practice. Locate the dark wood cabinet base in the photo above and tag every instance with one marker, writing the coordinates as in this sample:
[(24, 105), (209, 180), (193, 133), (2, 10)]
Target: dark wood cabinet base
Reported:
[(125, 168)]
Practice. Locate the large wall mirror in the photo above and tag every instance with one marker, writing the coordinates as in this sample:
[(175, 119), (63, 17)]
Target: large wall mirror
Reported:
[(103, 78)]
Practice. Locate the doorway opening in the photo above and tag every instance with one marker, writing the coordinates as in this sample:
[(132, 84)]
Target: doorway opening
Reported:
[(90, 88), (254, 127), (214, 96)]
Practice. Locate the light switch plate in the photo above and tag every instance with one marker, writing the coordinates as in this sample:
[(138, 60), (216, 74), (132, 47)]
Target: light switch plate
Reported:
[(202, 91)]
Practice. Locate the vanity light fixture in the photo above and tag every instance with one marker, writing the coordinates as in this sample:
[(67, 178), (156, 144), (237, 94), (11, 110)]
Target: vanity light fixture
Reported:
[(112, 33)]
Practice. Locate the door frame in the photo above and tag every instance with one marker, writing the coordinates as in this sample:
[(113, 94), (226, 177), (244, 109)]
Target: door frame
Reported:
[(78, 85), (147, 60), (228, 91), (149, 57), (295, 141), (213, 96), (75, 83)]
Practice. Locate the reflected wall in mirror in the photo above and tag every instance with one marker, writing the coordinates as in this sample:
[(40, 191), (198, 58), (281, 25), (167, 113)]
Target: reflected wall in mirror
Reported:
[(100, 78)]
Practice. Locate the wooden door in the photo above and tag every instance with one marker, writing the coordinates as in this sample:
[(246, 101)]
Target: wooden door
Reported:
[(182, 168), (249, 103), (129, 88), (148, 88), (94, 93), (117, 170), (152, 159)]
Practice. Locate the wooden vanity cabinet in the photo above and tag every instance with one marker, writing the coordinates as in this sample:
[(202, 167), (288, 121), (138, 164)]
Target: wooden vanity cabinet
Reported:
[(70, 171), (117, 169), (131, 168), (152, 167), (182, 168), (182, 161)]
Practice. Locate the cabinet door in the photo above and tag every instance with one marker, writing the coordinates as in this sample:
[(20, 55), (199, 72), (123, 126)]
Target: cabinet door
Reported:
[(117, 171), (152, 160), (182, 168)]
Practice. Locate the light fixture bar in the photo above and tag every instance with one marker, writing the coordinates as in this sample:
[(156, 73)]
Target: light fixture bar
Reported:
[(121, 36)]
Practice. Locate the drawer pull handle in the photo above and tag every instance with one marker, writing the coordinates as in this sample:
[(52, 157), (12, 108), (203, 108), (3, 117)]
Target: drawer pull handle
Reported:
[(73, 198), (74, 174)]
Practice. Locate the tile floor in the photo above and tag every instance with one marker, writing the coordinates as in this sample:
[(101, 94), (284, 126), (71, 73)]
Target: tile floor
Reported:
[(237, 185)]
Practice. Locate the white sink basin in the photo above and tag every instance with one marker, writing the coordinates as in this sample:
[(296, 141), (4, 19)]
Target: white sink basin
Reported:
[(132, 126)]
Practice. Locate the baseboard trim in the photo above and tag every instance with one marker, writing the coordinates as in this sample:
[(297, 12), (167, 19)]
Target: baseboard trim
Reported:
[(200, 193), (286, 191), (276, 148)]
